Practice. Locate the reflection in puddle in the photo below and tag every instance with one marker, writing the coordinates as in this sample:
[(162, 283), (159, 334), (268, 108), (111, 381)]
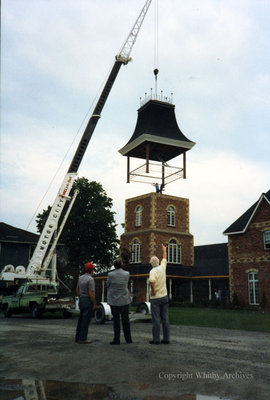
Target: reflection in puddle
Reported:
[(27, 389), (51, 390), (203, 397)]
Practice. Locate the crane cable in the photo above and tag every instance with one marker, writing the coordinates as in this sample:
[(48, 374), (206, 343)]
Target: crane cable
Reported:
[(156, 71), (68, 150)]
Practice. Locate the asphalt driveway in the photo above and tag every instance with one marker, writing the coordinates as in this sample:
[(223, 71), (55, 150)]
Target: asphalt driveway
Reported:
[(198, 364)]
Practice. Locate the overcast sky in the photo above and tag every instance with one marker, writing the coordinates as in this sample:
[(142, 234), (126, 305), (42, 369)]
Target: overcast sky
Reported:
[(214, 56)]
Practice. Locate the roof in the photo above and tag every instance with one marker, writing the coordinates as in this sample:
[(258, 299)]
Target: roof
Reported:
[(157, 126), (209, 261), (9, 233), (242, 223)]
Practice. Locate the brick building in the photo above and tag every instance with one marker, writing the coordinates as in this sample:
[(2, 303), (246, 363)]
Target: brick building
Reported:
[(249, 254), (155, 218), (152, 219)]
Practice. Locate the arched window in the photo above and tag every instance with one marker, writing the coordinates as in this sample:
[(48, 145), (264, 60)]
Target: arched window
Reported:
[(135, 250), (253, 288), (171, 216), (174, 252), (266, 240), (138, 221)]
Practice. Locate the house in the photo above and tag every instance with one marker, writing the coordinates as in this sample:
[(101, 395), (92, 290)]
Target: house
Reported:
[(249, 254), (16, 245)]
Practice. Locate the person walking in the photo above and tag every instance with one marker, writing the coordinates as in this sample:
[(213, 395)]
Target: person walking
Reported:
[(87, 302), (118, 298), (159, 299)]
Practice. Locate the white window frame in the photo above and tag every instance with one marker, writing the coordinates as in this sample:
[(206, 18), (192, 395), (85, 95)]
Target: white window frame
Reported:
[(138, 218), (174, 253), (171, 216), (253, 288), (136, 248), (266, 240)]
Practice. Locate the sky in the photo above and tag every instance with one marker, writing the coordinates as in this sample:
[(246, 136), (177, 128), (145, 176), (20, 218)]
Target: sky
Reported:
[(213, 55)]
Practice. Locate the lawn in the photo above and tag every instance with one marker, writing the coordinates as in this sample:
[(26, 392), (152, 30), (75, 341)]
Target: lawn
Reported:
[(220, 318)]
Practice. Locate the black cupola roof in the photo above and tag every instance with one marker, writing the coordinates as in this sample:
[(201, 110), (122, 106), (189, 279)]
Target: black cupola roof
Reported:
[(157, 127)]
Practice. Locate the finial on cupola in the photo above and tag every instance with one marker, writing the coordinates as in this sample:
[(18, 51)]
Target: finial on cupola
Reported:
[(156, 71)]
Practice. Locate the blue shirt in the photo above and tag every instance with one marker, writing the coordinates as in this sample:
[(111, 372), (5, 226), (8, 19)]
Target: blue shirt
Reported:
[(85, 285)]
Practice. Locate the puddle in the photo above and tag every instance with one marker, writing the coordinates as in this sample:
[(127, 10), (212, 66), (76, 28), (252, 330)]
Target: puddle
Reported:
[(27, 389)]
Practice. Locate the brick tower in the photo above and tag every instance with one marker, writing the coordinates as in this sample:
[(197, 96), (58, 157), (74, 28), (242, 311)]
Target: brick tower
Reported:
[(150, 220)]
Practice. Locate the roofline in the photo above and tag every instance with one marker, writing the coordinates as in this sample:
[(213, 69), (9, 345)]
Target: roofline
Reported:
[(263, 196), (18, 241), (157, 139)]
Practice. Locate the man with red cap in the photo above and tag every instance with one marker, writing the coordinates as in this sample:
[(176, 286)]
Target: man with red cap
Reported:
[(87, 302)]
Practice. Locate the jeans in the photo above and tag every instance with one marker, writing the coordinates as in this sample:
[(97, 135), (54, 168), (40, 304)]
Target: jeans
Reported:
[(86, 312), (122, 311), (159, 311)]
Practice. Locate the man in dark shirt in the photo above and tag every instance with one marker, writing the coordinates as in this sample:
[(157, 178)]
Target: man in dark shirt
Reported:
[(87, 302), (119, 300)]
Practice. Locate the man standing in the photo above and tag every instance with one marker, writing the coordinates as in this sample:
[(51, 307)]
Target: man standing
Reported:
[(159, 299), (87, 302), (118, 298)]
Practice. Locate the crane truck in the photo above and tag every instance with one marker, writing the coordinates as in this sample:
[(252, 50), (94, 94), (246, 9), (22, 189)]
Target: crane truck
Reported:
[(41, 258)]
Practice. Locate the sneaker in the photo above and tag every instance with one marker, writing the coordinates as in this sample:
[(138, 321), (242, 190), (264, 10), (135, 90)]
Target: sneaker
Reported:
[(153, 342), (165, 342)]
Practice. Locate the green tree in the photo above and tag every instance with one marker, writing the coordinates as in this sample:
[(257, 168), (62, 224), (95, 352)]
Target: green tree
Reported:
[(89, 233)]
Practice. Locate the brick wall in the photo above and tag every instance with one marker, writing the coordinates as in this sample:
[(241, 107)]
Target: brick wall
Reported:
[(247, 254), (154, 228)]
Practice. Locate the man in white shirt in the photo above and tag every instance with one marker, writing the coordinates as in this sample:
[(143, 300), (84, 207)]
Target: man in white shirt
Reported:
[(159, 299)]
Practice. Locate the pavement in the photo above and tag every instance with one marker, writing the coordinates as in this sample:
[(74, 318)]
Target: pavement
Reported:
[(39, 358)]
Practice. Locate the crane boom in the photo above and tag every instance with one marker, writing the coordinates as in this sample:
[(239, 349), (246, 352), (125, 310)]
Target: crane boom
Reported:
[(35, 264)]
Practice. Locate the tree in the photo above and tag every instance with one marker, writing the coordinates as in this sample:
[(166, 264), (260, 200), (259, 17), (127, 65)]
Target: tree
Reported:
[(89, 233)]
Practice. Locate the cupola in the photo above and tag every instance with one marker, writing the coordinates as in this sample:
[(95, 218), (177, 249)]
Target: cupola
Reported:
[(158, 138)]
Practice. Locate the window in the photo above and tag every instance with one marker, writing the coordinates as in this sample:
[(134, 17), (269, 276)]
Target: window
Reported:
[(138, 221), (20, 290), (266, 240), (174, 252), (135, 251), (30, 289), (253, 288), (171, 216)]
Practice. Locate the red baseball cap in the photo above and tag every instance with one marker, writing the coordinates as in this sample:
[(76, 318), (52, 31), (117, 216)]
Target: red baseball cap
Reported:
[(89, 267)]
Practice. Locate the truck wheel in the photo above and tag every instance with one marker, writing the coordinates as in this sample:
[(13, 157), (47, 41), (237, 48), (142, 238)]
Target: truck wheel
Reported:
[(35, 311), (7, 312), (143, 308), (100, 316)]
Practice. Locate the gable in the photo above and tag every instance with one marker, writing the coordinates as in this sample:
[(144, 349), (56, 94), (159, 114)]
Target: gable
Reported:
[(242, 223)]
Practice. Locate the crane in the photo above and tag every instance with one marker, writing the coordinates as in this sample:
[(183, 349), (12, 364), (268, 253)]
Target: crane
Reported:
[(37, 264)]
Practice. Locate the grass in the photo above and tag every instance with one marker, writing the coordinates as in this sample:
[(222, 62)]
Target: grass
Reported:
[(220, 318)]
